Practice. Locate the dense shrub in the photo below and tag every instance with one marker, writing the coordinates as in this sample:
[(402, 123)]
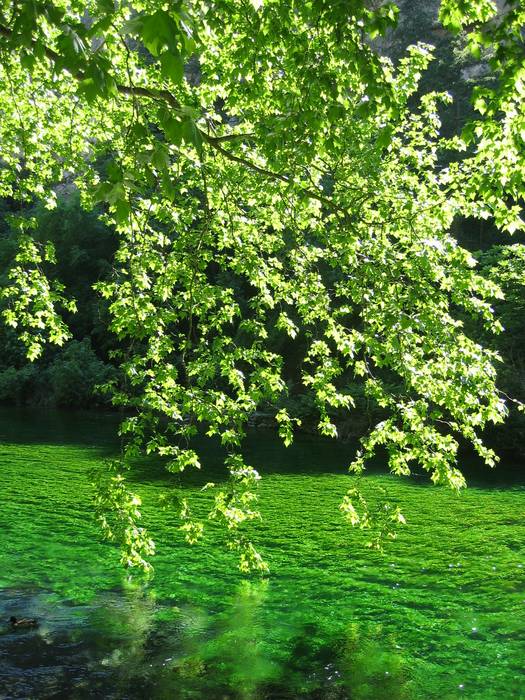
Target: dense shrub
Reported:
[(74, 375), (18, 386)]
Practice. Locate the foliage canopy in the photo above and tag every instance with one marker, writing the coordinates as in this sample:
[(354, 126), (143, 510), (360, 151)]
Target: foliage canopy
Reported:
[(265, 168)]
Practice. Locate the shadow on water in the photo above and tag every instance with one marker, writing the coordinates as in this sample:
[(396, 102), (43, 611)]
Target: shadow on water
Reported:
[(309, 454), (262, 450), (30, 426), (312, 455)]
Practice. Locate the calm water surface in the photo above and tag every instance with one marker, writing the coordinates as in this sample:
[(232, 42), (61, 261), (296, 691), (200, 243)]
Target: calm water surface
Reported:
[(440, 615)]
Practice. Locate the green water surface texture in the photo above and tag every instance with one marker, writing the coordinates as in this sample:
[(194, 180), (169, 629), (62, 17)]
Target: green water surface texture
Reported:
[(439, 615)]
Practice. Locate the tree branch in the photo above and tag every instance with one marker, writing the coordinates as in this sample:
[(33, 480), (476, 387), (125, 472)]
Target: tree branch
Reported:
[(213, 141)]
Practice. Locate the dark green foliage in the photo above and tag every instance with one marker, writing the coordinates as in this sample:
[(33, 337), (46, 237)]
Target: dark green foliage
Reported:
[(84, 250), (18, 386), (75, 374), (506, 263), (63, 376), (67, 380)]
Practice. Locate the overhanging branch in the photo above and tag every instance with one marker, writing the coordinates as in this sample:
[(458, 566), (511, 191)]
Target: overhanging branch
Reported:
[(214, 142)]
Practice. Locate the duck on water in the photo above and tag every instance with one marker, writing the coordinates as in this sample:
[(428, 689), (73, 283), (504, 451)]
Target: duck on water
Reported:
[(22, 623)]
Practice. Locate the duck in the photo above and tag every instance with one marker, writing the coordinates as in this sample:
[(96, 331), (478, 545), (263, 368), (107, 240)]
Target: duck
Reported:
[(23, 623)]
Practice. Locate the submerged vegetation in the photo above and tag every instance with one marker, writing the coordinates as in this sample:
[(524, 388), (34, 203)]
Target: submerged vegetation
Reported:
[(279, 204), (440, 615)]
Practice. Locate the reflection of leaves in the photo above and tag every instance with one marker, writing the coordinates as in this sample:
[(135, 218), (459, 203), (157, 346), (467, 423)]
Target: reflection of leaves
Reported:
[(371, 667), (238, 648)]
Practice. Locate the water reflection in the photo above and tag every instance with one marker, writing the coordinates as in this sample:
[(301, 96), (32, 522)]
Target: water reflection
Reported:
[(240, 645), (126, 645), (76, 648)]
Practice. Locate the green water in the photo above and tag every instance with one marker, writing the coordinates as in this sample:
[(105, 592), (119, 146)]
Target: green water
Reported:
[(440, 615)]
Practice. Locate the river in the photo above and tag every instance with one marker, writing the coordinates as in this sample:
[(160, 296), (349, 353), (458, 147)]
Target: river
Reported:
[(441, 614)]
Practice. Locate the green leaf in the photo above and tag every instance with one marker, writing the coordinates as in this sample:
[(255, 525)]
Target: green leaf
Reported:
[(89, 89), (172, 66), (385, 137), (158, 31), (190, 133), (160, 158), (173, 128)]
